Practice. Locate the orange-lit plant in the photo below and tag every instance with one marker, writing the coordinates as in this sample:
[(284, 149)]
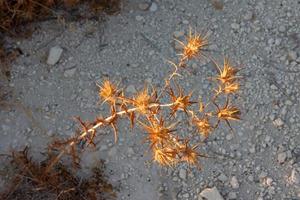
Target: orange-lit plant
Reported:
[(159, 119)]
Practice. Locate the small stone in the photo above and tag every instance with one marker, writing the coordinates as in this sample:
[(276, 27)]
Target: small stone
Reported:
[(234, 183), (211, 194), (248, 15), (273, 87), (131, 89), (185, 22), (235, 26), (292, 55), (232, 195), (278, 122), (295, 177), (112, 152), (282, 28), (54, 55), (139, 18), (182, 174), (222, 177), (177, 46), (153, 7), (281, 157), (69, 72), (144, 6), (178, 34)]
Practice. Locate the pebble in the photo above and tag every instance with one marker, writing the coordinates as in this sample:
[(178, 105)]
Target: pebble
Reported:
[(182, 174), (295, 177), (211, 194), (178, 34), (234, 183), (153, 7), (54, 55), (232, 195), (144, 6), (222, 177), (69, 72), (281, 157), (235, 26), (131, 89), (139, 18), (292, 55), (278, 122), (248, 15)]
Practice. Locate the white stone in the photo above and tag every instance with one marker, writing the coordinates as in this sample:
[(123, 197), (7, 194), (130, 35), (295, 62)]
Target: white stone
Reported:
[(235, 26), (54, 55), (295, 177), (182, 174), (211, 194), (153, 7), (281, 157), (144, 6), (278, 122), (70, 72), (234, 183), (131, 89)]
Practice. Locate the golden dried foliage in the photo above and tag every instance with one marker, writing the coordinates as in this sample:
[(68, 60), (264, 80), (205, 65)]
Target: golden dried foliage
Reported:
[(158, 117), (33, 181), (17, 12)]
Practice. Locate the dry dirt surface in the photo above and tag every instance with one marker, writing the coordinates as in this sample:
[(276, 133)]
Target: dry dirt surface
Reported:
[(259, 161)]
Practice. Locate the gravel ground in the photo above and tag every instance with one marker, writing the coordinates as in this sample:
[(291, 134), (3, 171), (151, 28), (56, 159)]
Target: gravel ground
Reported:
[(260, 161)]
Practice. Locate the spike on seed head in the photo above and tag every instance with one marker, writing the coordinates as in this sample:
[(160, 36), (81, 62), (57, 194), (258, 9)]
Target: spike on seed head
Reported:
[(143, 99)]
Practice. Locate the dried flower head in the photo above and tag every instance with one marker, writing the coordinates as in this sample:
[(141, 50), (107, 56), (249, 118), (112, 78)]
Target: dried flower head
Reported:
[(227, 74), (180, 101), (195, 43), (108, 92), (228, 88), (165, 156), (189, 154), (158, 133), (228, 112), (203, 125), (143, 100)]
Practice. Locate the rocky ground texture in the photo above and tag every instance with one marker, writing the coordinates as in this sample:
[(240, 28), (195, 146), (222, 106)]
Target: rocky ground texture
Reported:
[(55, 78)]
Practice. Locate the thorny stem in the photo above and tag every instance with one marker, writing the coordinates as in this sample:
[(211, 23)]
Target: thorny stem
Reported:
[(108, 119)]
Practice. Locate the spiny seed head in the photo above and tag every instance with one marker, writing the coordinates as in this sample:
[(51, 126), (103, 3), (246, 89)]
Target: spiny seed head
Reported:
[(227, 74), (203, 125), (180, 101), (158, 133), (108, 91), (143, 99), (228, 88), (189, 154), (229, 113), (194, 44), (165, 156)]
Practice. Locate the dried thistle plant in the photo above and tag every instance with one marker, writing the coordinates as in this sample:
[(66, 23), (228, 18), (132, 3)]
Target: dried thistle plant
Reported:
[(157, 118)]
